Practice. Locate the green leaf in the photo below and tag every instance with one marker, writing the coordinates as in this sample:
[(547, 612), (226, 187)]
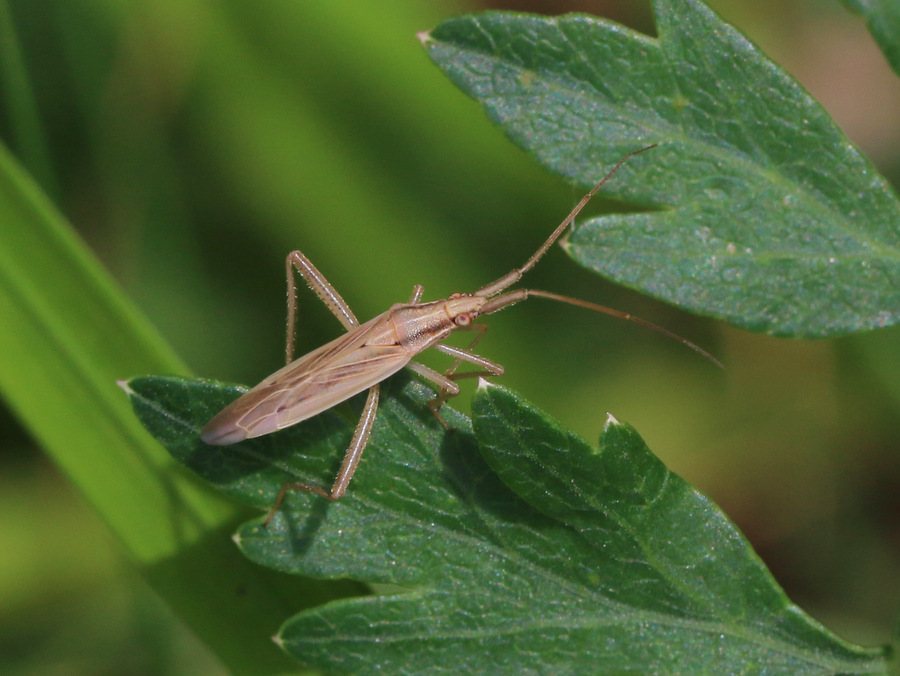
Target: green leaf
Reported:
[(551, 557), (883, 19), (762, 213)]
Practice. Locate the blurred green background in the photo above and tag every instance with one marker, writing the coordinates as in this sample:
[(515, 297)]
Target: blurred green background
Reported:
[(193, 144)]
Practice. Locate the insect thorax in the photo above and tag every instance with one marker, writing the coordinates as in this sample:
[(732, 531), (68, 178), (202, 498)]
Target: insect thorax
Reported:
[(421, 325)]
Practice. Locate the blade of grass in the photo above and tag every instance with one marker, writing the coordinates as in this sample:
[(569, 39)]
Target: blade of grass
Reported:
[(21, 108), (67, 333)]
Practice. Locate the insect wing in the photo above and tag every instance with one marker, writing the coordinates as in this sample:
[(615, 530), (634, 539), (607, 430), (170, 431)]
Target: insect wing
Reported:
[(309, 385)]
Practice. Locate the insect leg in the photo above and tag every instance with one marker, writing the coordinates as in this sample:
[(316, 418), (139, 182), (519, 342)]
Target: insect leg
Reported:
[(339, 308), (323, 289), (446, 381), (357, 444), (490, 367), (443, 382), (348, 466), (446, 388)]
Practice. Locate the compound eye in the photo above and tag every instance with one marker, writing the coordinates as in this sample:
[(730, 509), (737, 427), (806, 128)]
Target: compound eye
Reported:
[(463, 319)]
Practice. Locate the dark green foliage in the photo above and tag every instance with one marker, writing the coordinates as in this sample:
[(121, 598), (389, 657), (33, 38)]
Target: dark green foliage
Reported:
[(760, 211), (514, 546)]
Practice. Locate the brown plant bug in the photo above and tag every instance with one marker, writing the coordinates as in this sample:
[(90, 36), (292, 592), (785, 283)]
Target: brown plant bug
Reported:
[(371, 352)]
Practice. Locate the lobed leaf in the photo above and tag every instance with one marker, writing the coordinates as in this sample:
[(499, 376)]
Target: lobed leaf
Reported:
[(514, 546), (762, 213)]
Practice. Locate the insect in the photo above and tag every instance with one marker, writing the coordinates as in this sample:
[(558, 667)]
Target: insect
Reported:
[(371, 352)]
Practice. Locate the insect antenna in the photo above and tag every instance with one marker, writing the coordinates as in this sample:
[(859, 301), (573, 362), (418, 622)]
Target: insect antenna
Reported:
[(623, 315), (497, 300), (514, 276)]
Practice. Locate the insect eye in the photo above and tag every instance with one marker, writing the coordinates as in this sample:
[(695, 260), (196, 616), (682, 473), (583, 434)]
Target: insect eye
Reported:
[(463, 319)]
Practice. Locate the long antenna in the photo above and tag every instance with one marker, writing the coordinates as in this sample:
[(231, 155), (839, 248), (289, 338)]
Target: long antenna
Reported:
[(497, 300), (626, 316), (514, 276)]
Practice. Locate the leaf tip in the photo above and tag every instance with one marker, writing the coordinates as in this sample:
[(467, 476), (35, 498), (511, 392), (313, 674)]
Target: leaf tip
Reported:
[(277, 640), (126, 387), (611, 421), (424, 37), (484, 383)]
